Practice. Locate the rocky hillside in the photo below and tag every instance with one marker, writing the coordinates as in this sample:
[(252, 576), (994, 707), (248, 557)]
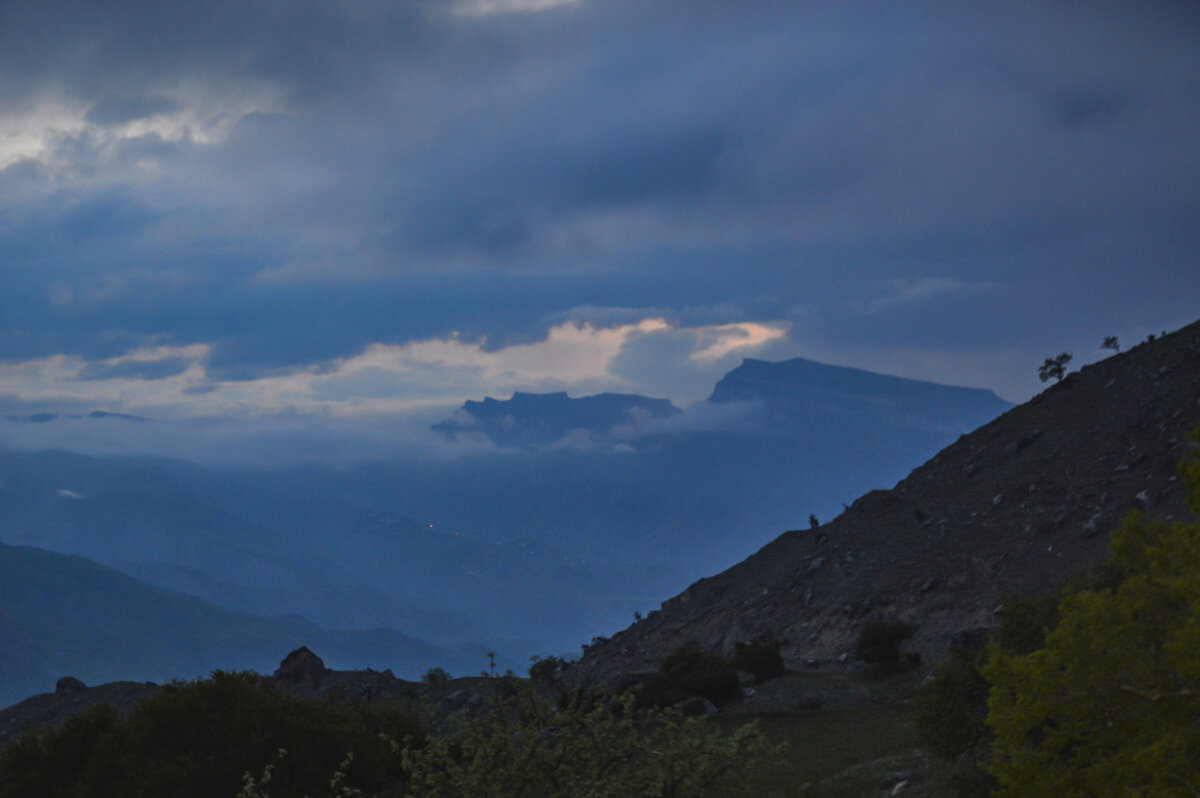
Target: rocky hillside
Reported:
[(1017, 506)]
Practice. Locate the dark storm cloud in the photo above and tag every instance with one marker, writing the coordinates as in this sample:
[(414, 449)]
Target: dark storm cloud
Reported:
[(292, 182)]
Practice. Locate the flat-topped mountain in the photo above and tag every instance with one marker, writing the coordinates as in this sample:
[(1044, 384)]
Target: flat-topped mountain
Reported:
[(531, 419), (1014, 507), (806, 388)]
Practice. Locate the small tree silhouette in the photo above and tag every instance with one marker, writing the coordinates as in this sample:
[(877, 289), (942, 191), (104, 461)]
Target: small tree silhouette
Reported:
[(1111, 342), (1054, 367)]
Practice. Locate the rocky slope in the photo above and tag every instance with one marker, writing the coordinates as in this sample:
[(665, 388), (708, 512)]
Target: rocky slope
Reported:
[(1017, 506)]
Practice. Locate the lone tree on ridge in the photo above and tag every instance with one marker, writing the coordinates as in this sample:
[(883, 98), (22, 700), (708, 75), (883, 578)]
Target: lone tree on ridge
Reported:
[(1054, 367)]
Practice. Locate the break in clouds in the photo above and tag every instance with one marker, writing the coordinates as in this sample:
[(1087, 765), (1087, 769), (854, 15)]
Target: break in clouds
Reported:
[(367, 210)]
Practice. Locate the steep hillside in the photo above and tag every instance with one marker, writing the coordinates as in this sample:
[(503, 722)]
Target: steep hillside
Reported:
[(1014, 507), (63, 615)]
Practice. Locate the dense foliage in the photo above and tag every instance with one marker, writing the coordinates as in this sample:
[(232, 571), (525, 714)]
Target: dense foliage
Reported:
[(1110, 702), (760, 658), (588, 747), (200, 738), (688, 671), (952, 707)]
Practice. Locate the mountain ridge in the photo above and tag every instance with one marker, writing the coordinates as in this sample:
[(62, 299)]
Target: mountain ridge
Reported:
[(537, 419), (65, 614), (1016, 506)]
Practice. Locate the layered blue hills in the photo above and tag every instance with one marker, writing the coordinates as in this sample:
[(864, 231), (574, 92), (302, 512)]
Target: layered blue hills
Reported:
[(585, 510)]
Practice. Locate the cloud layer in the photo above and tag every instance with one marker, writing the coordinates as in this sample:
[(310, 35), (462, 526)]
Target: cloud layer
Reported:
[(216, 208)]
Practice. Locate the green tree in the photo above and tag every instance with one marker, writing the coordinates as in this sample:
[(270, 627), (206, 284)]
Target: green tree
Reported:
[(1055, 367), (1110, 705)]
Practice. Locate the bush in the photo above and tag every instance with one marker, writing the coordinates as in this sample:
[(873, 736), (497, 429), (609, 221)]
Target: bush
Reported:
[(200, 738), (691, 670), (436, 678), (760, 658), (879, 643), (952, 707), (522, 747), (545, 670)]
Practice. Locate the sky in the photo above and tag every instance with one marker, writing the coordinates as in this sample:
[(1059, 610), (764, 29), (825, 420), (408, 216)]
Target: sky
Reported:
[(371, 210)]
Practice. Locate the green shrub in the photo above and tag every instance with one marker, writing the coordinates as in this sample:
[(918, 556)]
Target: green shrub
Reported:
[(1024, 622), (879, 643), (200, 738), (760, 657), (436, 678), (523, 747), (545, 670), (689, 671), (952, 707)]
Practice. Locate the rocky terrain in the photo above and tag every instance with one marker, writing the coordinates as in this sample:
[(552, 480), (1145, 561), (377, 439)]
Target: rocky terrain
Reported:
[(1015, 507)]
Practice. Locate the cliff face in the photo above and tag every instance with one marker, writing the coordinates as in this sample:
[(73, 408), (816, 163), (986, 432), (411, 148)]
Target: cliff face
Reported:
[(1017, 506)]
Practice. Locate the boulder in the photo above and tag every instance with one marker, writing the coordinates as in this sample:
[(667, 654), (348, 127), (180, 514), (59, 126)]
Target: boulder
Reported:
[(68, 685), (301, 666)]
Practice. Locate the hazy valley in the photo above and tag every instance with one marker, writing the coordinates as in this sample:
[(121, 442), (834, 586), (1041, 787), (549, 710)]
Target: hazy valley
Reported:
[(576, 514)]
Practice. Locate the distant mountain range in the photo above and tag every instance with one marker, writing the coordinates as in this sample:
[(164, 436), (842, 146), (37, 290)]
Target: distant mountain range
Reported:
[(534, 420), (587, 509), (65, 615)]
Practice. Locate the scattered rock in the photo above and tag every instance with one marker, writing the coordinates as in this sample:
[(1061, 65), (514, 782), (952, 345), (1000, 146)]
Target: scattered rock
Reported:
[(695, 706)]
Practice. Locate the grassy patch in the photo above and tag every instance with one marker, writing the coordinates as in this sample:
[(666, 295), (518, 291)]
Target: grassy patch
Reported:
[(836, 752)]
